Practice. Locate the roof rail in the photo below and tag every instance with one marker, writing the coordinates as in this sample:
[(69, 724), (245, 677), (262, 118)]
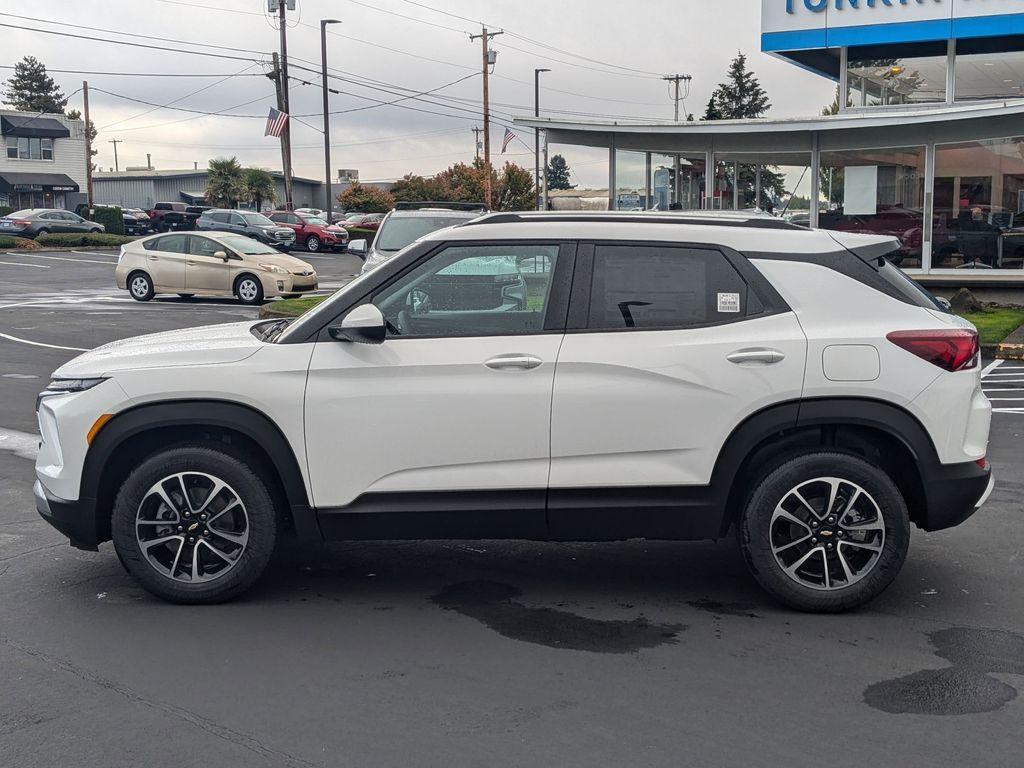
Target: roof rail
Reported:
[(410, 205), (753, 222)]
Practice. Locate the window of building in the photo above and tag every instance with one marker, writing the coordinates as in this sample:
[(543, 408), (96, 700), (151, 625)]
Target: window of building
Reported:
[(876, 77), (652, 287), (487, 290), (631, 181), (979, 205), (776, 182), (986, 70), (23, 148), (877, 192), (677, 182)]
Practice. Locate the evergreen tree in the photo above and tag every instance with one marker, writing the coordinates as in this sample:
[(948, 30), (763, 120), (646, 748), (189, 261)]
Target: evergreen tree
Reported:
[(74, 114), (30, 89), (740, 96), (558, 173)]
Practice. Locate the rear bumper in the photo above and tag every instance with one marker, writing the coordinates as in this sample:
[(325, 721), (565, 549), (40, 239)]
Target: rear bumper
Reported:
[(75, 519), (954, 492)]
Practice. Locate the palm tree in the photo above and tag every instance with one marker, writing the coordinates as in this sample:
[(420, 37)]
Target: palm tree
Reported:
[(224, 187), (257, 186)]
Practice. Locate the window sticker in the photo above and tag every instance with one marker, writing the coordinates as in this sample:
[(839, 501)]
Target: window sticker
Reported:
[(728, 302)]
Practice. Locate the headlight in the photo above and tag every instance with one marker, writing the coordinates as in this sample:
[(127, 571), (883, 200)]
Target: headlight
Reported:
[(274, 268), (66, 387)]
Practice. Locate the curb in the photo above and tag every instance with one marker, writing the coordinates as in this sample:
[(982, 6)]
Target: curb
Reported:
[(267, 312), (1012, 347)]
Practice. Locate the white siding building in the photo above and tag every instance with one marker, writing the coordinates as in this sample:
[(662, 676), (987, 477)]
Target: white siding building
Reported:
[(42, 159)]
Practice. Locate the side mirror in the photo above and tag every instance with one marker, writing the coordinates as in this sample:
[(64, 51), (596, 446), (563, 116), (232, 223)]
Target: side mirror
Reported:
[(221, 255), (363, 325), (358, 247)]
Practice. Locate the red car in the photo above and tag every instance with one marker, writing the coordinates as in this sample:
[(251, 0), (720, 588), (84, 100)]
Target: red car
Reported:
[(366, 221), (312, 233)]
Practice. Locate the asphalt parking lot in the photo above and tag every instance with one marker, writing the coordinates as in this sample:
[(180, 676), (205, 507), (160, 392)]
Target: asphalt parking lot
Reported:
[(481, 653)]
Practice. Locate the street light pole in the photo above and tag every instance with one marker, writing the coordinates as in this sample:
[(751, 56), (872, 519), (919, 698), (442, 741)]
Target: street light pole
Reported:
[(328, 197), (536, 134)]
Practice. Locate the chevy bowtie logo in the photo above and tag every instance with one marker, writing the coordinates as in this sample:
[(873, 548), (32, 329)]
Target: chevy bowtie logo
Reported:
[(825, 534), (193, 527)]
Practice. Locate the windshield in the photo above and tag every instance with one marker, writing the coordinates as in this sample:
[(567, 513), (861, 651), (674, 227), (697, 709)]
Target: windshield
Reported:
[(315, 221), (247, 245), (257, 220), (398, 232)]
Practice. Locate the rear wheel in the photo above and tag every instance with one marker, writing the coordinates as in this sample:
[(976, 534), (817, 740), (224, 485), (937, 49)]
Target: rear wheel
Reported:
[(41, 232), (194, 524), (140, 286), (186, 295), (825, 532), (249, 290)]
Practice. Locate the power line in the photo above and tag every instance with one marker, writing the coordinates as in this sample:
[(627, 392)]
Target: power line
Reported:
[(140, 74)]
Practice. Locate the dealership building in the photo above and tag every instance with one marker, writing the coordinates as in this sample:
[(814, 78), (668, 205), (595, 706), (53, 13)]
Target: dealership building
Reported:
[(928, 143)]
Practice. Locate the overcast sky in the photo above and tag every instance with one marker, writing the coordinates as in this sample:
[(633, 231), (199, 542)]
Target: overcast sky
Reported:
[(428, 49)]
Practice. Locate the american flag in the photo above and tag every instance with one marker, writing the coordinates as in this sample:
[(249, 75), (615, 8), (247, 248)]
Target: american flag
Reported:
[(275, 123), (507, 140)]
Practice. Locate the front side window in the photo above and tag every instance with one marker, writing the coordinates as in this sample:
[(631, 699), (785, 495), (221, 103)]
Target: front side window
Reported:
[(657, 287), (478, 290), (203, 246)]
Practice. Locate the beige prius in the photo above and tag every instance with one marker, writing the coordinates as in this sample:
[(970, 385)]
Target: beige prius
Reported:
[(210, 264)]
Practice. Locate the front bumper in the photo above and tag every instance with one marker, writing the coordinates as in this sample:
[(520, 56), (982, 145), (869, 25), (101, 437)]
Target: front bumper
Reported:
[(280, 285), (75, 519), (954, 492)]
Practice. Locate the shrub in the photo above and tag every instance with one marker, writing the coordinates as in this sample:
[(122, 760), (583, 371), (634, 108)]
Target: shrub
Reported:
[(76, 240), (5, 209), (110, 217), (358, 233), (7, 241), (366, 199)]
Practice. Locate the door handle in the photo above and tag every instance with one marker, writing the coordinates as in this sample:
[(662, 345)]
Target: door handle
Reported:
[(760, 356), (513, 362), (154, 258)]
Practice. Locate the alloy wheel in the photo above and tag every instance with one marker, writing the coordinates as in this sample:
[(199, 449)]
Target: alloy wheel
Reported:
[(140, 287), (248, 290), (827, 533), (192, 527)]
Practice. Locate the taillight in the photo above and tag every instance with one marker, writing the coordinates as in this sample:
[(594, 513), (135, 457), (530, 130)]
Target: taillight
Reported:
[(950, 349)]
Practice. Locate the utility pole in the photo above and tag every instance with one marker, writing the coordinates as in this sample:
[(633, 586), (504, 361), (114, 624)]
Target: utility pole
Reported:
[(476, 141), (286, 153), (676, 79), (115, 142), (536, 135), (328, 197), (489, 58), (88, 147), (286, 135)]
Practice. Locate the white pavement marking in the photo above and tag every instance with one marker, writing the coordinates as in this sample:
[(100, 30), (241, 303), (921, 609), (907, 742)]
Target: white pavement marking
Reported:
[(17, 264), (65, 258), (20, 444), (41, 344), (990, 367), (95, 253)]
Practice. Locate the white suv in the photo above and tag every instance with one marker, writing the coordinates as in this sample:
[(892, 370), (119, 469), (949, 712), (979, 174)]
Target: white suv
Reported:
[(665, 376)]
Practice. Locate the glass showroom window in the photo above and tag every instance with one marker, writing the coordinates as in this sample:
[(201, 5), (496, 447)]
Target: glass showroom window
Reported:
[(875, 79), (776, 182), (982, 73), (877, 192), (677, 182), (577, 178), (979, 205), (630, 181)]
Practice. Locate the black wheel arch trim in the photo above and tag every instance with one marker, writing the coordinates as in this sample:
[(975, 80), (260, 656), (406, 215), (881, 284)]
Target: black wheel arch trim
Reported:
[(244, 419)]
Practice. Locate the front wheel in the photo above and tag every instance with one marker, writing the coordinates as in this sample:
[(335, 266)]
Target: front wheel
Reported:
[(249, 290), (825, 532), (194, 524), (313, 244)]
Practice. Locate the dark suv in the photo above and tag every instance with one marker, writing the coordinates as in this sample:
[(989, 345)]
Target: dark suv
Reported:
[(255, 225)]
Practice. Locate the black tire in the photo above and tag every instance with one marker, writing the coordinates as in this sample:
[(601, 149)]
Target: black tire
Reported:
[(261, 523), (140, 286), (95, 231), (186, 295), (42, 232), (774, 489), (249, 290), (313, 244)]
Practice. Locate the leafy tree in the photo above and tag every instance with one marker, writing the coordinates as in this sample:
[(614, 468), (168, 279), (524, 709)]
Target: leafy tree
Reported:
[(514, 190), (740, 96), (225, 185), (558, 173), (414, 188), (366, 199), (30, 89), (257, 186)]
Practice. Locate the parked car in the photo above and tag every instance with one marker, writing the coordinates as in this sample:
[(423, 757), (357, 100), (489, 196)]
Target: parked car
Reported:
[(254, 225), (166, 216), (136, 221), (409, 222), (193, 214), (311, 232), (32, 222), (317, 212), (365, 221), (210, 264), (896, 221), (664, 379)]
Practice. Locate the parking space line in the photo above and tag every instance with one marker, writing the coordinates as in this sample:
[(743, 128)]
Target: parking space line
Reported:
[(18, 264), (990, 367), (41, 344), (65, 258)]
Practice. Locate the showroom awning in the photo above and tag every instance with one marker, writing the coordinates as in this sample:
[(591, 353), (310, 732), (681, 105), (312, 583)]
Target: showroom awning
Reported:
[(33, 127), (50, 182)]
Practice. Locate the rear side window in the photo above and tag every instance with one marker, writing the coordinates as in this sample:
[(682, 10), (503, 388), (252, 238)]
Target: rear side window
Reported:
[(651, 287), (169, 244)]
